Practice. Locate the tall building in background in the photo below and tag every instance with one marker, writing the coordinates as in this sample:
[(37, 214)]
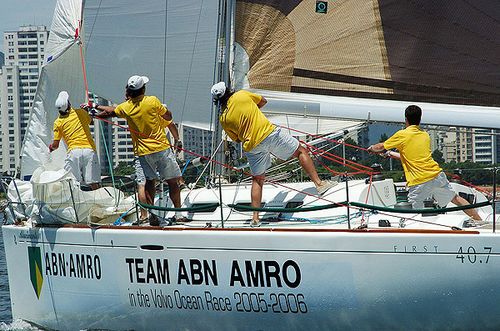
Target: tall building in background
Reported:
[(23, 58), (2, 59), (484, 144), (196, 140)]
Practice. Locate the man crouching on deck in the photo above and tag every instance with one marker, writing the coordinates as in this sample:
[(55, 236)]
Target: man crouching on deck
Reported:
[(73, 126), (243, 122), (424, 176)]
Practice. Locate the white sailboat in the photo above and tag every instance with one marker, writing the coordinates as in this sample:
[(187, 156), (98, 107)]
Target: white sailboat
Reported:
[(302, 269)]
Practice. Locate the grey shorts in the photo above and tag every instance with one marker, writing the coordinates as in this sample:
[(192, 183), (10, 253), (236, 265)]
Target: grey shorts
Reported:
[(84, 165), (160, 165), (438, 188), (139, 173), (278, 143)]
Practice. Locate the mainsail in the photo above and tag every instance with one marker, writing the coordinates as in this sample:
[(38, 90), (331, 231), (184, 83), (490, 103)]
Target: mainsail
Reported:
[(369, 59), (172, 42)]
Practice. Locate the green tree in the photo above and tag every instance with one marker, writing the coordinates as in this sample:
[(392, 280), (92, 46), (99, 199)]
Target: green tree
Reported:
[(124, 169), (437, 155)]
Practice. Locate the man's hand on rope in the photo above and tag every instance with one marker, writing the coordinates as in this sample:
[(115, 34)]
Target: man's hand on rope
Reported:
[(178, 145), (90, 108)]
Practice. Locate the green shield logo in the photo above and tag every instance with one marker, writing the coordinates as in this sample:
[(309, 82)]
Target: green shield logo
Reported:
[(36, 276)]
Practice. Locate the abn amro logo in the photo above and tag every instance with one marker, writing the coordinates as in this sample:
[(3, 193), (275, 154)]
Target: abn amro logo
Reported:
[(36, 276)]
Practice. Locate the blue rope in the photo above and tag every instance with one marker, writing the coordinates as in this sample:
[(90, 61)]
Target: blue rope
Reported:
[(185, 167)]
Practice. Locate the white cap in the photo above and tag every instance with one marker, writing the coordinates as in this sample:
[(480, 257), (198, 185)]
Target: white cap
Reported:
[(218, 90), (137, 82), (62, 100)]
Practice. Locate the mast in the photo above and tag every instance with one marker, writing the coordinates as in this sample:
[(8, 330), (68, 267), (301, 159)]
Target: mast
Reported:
[(222, 73)]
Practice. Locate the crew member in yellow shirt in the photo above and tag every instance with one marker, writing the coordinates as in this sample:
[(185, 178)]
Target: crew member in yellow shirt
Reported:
[(149, 140), (72, 125), (243, 122), (424, 176), (139, 172)]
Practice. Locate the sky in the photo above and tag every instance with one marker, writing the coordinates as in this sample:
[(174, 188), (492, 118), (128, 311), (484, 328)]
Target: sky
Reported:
[(14, 13)]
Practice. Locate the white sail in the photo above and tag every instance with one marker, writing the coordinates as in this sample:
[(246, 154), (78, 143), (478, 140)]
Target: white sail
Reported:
[(172, 42), (62, 70)]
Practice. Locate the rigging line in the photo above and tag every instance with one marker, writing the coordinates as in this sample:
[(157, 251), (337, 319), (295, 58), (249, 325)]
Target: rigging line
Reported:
[(215, 161), (324, 137), (110, 162), (84, 70), (191, 62), (336, 158), (269, 181), (204, 169), (93, 24), (85, 82), (165, 52), (466, 183)]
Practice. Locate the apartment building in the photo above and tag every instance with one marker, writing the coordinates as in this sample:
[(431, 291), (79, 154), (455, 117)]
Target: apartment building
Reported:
[(23, 58), (469, 144)]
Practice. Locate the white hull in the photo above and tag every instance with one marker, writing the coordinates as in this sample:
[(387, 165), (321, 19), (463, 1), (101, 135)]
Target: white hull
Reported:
[(378, 279)]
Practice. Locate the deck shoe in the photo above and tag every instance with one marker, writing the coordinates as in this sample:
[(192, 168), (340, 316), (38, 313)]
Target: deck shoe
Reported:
[(255, 224), (325, 186), (154, 220), (479, 222)]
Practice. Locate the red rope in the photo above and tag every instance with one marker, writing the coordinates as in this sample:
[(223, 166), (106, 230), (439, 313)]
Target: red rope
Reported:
[(84, 70), (330, 156), (324, 138), (222, 164), (249, 174), (477, 188)]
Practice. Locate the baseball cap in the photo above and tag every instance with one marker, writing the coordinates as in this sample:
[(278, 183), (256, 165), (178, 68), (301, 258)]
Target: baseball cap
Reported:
[(218, 90), (62, 100), (136, 82)]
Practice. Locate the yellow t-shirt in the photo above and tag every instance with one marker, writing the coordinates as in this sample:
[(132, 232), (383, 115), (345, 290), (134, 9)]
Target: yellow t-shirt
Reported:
[(414, 146), (143, 115), (243, 121), (74, 129)]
